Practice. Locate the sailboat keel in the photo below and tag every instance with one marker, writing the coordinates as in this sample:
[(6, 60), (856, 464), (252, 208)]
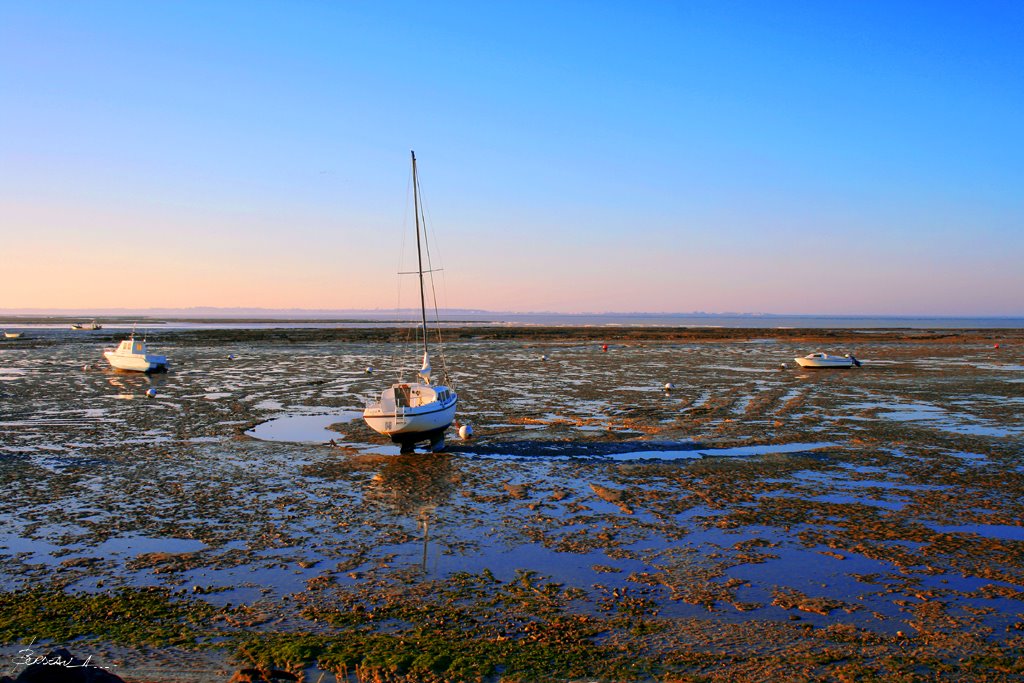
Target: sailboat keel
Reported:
[(434, 437)]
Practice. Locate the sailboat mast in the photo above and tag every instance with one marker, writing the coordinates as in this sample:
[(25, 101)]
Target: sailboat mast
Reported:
[(419, 251)]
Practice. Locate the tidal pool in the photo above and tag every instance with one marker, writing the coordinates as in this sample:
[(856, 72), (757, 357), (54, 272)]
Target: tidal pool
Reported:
[(302, 428)]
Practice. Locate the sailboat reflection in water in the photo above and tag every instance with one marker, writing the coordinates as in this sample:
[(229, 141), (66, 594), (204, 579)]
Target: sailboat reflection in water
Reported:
[(414, 486)]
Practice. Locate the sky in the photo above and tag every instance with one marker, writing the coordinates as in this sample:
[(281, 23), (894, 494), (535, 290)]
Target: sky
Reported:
[(778, 157)]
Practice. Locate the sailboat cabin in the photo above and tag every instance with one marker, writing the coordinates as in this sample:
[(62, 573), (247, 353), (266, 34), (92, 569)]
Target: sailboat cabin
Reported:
[(415, 395)]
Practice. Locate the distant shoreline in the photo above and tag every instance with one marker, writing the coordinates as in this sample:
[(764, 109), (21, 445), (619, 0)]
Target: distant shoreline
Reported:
[(524, 320), (533, 335)]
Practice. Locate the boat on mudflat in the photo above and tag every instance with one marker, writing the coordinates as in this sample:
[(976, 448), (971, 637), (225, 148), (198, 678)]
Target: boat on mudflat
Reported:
[(820, 359), (411, 412), (13, 335), (135, 356), (86, 326)]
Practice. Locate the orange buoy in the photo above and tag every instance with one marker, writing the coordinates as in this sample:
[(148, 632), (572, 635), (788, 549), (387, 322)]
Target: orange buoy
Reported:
[(604, 347)]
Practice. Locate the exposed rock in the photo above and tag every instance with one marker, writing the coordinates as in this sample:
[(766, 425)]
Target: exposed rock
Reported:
[(517, 491), (611, 496)]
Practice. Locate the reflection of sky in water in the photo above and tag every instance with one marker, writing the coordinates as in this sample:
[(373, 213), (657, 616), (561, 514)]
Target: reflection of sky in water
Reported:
[(937, 417), (134, 545), (1003, 532), (302, 428), (739, 451)]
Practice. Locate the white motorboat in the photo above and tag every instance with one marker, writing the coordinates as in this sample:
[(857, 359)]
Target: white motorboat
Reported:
[(86, 326), (820, 359), (13, 335), (134, 355), (417, 411)]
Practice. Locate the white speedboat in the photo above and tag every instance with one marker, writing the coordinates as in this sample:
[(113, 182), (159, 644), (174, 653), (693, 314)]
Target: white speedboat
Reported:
[(86, 326), (134, 355), (12, 335), (413, 412), (820, 359)]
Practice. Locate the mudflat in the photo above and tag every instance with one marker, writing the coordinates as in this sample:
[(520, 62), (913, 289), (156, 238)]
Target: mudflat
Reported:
[(758, 522)]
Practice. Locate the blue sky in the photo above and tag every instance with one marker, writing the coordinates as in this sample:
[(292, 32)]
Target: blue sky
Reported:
[(778, 157)]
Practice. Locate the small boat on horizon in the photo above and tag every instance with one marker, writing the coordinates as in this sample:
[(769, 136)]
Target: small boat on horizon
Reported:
[(86, 326), (12, 335), (412, 412), (819, 359), (134, 356)]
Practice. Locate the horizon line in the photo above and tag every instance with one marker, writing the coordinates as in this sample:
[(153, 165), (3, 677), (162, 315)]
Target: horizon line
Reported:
[(187, 311)]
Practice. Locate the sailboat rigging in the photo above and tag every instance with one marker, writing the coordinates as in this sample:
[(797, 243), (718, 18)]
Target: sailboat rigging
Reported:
[(414, 412)]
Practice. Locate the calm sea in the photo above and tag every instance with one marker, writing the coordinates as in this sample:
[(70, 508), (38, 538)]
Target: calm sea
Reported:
[(763, 321), (402, 318)]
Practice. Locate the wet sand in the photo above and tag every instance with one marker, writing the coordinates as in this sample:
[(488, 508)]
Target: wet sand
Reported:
[(758, 522)]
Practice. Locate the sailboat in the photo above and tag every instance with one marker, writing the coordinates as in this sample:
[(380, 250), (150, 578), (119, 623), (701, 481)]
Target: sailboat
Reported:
[(413, 412)]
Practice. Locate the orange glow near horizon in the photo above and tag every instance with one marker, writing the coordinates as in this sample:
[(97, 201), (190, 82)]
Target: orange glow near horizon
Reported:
[(805, 159)]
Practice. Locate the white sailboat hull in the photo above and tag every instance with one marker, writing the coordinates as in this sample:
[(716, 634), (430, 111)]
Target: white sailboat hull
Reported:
[(408, 422)]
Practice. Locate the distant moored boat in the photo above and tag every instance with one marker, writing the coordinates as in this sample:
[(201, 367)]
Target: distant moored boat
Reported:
[(134, 355), (820, 359)]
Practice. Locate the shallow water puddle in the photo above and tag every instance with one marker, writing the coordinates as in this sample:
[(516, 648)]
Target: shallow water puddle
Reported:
[(52, 554), (302, 428), (1002, 532), (738, 451), (605, 451), (133, 545), (1009, 367), (934, 416), (981, 430), (738, 368), (8, 374), (269, 404)]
